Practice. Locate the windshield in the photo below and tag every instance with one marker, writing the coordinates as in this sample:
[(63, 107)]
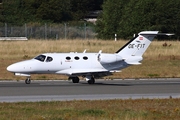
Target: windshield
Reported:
[(49, 59), (40, 58)]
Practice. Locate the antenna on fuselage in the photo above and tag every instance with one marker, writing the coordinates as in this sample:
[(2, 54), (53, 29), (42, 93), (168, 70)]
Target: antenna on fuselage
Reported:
[(99, 54), (84, 51)]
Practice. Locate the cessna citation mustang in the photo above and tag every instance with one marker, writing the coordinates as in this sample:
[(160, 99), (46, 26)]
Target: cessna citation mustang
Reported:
[(88, 65)]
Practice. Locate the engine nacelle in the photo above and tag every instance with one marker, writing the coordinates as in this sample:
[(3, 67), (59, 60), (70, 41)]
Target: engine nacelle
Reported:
[(109, 58)]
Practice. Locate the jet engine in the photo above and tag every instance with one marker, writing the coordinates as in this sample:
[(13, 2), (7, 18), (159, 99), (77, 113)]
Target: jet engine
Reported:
[(109, 58)]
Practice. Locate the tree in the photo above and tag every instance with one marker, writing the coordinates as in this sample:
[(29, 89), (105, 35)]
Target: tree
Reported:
[(10, 13), (168, 16), (138, 15), (107, 24), (55, 11), (80, 8)]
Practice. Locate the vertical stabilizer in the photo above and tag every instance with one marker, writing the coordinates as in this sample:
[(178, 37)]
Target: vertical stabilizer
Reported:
[(132, 52), (138, 45)]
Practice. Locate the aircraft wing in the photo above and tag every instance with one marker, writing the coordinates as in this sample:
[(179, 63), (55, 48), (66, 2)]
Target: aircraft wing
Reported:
[(81, 72)]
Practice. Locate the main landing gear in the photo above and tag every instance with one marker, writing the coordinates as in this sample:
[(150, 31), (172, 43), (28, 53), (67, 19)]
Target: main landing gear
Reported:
[(28, 80), (89, 79), (75, 79)]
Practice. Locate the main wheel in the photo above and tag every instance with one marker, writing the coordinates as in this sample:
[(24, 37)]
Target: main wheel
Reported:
[(92, 81), (28, 81), (75, 79)]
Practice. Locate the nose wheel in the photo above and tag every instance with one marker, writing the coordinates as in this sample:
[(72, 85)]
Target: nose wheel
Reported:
[(28, 81)]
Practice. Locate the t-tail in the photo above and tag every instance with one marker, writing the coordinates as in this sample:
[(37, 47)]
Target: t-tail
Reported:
[(132, 52)]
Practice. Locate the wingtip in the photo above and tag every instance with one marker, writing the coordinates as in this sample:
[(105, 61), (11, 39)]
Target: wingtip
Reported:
[(168, 34)]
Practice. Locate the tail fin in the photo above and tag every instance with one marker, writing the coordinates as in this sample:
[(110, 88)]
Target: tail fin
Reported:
[(132, 51), (138, 45)]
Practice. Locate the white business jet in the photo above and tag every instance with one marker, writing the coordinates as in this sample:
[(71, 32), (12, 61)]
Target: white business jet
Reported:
[(88, 65)]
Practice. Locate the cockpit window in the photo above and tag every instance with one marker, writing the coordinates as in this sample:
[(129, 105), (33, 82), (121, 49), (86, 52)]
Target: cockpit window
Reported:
[(40, 58), (49, 59)]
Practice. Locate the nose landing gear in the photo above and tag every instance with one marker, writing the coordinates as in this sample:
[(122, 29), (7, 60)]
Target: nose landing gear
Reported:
[(28, 80)]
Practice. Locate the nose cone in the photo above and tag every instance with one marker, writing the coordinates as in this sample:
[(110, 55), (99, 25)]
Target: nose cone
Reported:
[(21, 67), (9, 68), (14, 67)]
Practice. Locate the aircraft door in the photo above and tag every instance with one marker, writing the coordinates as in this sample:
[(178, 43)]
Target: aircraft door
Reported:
[(67, 62)]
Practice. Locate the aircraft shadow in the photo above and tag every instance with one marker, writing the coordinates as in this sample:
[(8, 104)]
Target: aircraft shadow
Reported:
[(108, 84), (133, 84)]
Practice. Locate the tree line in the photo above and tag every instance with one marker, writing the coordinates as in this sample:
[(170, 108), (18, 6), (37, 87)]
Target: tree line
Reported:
[(17, 12), (126, 17), (121, 17)]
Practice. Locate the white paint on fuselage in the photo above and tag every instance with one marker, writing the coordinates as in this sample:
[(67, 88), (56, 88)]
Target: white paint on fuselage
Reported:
[(59, 62)]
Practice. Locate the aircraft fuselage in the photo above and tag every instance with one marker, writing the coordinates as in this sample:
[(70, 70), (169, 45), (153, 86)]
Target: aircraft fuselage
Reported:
[(56, 62)]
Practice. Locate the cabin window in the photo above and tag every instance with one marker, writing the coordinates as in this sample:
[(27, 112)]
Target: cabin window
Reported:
[(85, 58), (76, 58), (49, 59), (40, 58), (68, 58)]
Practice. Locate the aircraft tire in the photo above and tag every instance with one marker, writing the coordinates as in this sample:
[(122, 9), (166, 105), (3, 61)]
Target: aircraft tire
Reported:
[(75, 79), (92, 81), (28, 81)]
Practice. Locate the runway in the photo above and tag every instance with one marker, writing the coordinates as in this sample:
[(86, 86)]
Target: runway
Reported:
[(18, 91)]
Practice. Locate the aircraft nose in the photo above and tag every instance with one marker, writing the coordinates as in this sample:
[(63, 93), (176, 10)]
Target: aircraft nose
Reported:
[(11, 68), (22, 67), (16, 67)]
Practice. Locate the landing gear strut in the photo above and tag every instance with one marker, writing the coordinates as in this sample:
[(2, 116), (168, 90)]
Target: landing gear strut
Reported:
[(28, 80)]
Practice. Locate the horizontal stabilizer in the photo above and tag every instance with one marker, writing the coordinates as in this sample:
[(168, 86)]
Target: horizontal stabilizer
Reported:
[(168, 34), (148, 33), (154, 33)]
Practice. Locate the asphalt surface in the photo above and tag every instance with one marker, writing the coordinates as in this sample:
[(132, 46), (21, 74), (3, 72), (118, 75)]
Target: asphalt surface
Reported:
[(18, 91)]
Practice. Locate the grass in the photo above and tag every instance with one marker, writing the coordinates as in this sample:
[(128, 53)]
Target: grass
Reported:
[(159, 60), (139, 109)]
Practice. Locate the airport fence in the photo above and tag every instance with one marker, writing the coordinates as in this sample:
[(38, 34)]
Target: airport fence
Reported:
[(48, 31)]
